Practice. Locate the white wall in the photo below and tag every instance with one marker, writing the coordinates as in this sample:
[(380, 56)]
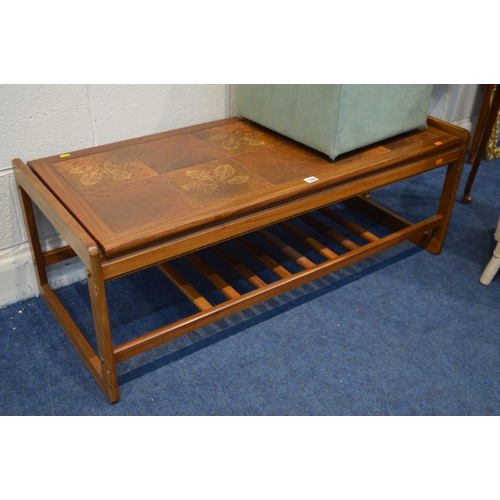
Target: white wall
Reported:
[(458, 104), (42, 120)]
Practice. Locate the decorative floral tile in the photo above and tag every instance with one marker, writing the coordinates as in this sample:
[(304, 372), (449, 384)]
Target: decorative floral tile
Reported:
[(236, 138), (102, 170), (215, 182)]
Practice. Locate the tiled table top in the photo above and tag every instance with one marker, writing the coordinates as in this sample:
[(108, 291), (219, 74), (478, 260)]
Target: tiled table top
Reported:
[(148, 188)]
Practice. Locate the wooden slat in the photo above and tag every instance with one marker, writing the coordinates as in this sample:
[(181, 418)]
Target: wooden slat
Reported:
[(240, 268), (189, 291), (179, 328), (331, 233), (378, 213), (263, 258), (58, 255), (290, 252), (349, 225), (225, 288), (309, 240)]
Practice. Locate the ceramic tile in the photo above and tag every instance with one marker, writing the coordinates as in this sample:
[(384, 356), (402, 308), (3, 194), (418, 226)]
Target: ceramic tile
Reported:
[(103, 170), (139, 203), (236, 138), (283, 163), (173, 153), (216, 182)]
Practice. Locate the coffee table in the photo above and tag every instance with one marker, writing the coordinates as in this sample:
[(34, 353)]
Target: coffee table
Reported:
[(128, 206)]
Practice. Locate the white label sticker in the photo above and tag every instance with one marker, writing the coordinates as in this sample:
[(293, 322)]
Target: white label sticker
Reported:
[(311, 179)]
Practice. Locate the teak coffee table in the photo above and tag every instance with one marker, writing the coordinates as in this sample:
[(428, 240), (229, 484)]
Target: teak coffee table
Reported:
[(135, 204)]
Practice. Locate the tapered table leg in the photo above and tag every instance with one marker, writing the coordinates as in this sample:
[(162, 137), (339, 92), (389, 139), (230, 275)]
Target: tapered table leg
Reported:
[(486, 133), (102, 328), (480, 122)]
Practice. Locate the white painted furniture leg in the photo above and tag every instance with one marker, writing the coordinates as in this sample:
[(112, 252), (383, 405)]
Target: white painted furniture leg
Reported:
[(497, 232), (494, 264)]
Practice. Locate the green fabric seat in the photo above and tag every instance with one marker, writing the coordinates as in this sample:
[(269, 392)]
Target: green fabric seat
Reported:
[(335, 119)]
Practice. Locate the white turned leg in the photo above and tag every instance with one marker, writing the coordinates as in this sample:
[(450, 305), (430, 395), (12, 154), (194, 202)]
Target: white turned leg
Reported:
[(492, 267), (497, 232)]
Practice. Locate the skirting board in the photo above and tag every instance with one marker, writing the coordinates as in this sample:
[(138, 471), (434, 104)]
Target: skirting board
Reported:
[(18, 280)]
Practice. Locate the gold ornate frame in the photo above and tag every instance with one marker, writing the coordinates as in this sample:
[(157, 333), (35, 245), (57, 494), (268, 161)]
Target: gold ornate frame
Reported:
[(493, 147)]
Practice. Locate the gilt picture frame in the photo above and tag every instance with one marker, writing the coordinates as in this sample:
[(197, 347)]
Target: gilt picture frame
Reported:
[(493, 146)]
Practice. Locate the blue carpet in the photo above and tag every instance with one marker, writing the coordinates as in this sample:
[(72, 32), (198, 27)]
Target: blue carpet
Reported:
[(403, 333)]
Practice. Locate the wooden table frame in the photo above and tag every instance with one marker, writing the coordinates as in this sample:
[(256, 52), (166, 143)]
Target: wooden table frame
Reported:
[(348, 186)]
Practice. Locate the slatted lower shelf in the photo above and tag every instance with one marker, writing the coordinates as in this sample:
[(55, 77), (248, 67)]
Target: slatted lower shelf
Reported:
[(293, 252)]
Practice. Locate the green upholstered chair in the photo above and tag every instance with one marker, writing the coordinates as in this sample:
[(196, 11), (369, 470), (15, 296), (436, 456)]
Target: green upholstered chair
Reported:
[(335, 119)]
